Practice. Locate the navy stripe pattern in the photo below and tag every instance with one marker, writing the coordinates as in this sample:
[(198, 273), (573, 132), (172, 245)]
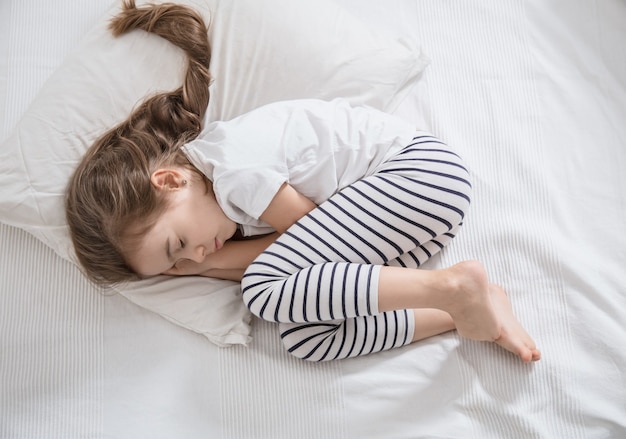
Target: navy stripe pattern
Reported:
[(319, 280)]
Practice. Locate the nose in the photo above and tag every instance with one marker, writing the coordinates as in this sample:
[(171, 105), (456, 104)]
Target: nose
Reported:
[(198, 254)]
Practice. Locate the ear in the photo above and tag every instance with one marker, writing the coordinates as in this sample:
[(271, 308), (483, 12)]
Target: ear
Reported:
[(168, 179)]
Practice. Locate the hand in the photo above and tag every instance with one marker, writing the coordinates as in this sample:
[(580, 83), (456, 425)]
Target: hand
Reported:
[(191, 268), (187, 267)]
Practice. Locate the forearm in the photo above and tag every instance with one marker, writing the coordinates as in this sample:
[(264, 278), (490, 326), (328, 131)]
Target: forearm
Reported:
[(231, 261), (234, 274)]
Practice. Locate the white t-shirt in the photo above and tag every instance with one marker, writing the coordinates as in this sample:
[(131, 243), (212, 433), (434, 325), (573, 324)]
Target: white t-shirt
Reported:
[(318, 147)]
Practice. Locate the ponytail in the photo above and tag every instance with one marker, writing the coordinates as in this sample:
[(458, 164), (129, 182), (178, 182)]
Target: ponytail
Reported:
[(110, 202), (179, 112)]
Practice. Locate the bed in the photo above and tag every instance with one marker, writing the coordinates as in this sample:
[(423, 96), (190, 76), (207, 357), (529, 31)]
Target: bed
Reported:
[(533, 95)]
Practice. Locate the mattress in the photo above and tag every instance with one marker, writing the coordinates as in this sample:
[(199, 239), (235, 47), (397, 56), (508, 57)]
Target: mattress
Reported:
[(533, 95)]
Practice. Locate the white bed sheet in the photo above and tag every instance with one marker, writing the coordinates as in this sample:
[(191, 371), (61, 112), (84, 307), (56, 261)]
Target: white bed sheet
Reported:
[(533, 94)]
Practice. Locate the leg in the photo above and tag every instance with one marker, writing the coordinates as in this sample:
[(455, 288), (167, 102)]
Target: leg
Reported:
[(480, 310), (344, 338), (321, 341), (431, 322), (326, 265), (414, 202), (322, 274)]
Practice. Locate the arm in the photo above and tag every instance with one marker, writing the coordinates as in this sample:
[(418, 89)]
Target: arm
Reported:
[(287, 207), (231, 261), (227, 263)]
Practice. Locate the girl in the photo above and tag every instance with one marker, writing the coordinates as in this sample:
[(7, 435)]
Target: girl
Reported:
[(345, 204)]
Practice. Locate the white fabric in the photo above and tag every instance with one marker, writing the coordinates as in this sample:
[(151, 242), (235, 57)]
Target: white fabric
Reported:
[(312, 50), (532, 93), (318, 147)]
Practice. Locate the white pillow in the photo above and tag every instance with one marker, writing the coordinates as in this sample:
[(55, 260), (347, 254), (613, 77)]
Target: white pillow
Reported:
[(263, 51)]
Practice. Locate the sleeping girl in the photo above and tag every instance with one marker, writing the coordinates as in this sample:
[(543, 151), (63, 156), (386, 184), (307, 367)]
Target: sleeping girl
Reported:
[(324, 212)]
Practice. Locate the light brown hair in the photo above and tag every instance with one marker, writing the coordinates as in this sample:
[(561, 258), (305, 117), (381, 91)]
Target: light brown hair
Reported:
[(110, 199)]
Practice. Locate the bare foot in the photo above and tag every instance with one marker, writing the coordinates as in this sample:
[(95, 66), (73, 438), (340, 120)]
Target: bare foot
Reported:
[(482, 311), (470, 303), (513, 337)]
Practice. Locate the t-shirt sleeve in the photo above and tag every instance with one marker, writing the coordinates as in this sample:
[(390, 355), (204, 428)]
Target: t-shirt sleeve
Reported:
[(319, 147), (246, 193), (244, 161)]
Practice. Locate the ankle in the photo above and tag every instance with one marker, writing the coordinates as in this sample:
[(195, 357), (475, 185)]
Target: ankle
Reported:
[(462, 284)]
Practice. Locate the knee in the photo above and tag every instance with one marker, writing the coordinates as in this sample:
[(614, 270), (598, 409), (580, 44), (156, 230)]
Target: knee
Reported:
[(442, 183), (257, 295), (458, 184), (458, 196)]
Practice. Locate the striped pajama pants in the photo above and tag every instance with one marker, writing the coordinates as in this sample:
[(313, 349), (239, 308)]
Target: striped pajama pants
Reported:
[(319, 280)]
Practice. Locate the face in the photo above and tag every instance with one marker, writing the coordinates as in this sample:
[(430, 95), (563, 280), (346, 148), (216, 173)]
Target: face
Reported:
[(192, 227)]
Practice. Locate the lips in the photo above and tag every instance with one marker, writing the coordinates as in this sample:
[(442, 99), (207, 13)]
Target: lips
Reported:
[(218, 244)]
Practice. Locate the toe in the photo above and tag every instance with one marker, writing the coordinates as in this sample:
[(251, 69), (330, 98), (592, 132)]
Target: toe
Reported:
[(536, 355), (526, 355)]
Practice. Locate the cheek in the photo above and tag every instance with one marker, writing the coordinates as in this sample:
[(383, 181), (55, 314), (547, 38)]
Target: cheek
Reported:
[(212, 211)]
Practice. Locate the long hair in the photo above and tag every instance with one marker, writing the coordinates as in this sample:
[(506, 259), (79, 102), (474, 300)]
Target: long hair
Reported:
[(110, 198)]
